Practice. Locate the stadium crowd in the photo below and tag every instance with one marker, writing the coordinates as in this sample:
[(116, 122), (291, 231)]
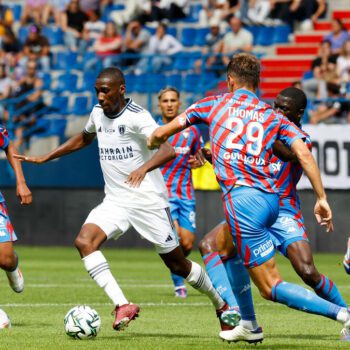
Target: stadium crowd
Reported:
[(50, 48)]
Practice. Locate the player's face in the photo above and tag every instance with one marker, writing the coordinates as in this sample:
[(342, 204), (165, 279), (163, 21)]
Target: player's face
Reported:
[(285, 106), (110, 95), (169, 104)]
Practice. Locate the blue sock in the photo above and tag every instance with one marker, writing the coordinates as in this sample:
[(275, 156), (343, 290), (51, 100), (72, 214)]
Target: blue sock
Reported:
[(299, 298), (240, 284), (326, 289), (177, 280), (218, 277)]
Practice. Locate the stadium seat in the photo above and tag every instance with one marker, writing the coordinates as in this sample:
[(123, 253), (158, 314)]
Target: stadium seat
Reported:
[(174, 80), (172, 31), (66, 83), (81, 106), (16, 10), (191, 82), (194, 13), (184, 61), (281, 34), (108, 9), (59, 105), (65, 60), (141, 83), (264, 36), (23, 34), (255, 31), (201, 33), (46, 78), (188, 36), (308, 75), (88, 82), (156, 82), (130, 80), (54, 35)]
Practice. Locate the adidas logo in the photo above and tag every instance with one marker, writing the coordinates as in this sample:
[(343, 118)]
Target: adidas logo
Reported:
[(169, 238)]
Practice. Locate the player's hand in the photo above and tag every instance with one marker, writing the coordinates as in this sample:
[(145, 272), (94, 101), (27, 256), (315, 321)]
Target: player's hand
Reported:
[(136, 177), (36, 160), (152, 144), (323, 214), (24, 194), (197, 160), (207, 154)]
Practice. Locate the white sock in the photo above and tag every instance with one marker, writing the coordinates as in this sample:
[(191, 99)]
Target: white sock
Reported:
[(251, 325), (343, 315), (98, 268), (198, 279)]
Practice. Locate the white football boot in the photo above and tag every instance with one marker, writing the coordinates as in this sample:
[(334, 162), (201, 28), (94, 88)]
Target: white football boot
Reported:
[(16, 280), (240, 333)]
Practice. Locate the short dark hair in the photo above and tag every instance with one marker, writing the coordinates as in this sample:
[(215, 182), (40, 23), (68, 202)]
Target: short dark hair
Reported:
[(113, 73), (298, 96), (245, 68), (166, 89)]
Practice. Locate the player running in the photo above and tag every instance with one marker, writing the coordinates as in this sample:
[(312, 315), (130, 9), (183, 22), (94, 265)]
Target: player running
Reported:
[(178, 178), (8, 257), (288, 233), (242, 131), (135, 193)]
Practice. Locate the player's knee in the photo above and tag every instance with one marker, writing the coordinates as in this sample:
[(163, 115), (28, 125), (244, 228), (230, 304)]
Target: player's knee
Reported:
[(8, 262), (182, 268), (206, 246), (84, 245), (266, 292), (309, 274)]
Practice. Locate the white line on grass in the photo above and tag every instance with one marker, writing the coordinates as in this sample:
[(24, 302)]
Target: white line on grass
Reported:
[(92, 285)]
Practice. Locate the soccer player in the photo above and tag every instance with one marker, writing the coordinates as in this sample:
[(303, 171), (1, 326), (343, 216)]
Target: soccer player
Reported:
[(346, 261), (135, 193), (178, 178), (242, 132), (8, 257), (288, 233)]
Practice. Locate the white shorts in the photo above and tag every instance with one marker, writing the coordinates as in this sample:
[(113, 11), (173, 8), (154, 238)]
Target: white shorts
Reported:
[(155, 225)]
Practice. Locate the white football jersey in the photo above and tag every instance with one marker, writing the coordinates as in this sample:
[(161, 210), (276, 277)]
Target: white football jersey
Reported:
[(122, 143)]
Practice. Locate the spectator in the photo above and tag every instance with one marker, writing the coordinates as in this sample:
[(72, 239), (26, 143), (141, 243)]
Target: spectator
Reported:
[(107, 47), (308, 12), (136, 41), (343, 63), (10, 45), (133, 8), (27, 118), (338, 35), (175, 9), (73, 21), (6, 18), (88, 6), (231, 8), (333, 111), (54, 8), (162, 44), (325, 62), (33, 11), (238, 39), (36, 47), (212, 9), (280, 10), (93, 30), (212, 45), (258, 11), (5, 91)]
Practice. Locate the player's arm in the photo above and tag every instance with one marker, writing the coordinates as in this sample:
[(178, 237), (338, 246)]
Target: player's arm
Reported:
[(322, 210), (198, 160), (284, 153), (161, 134), (162, 156), (22, 190), (73, 144)]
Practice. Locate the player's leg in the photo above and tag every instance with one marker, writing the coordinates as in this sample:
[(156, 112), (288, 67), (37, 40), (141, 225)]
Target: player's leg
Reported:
[(346, 261), (8, 257), (105, 221)]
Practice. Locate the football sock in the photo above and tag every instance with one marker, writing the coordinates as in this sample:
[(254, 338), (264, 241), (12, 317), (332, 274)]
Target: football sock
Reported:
[(98, 268), (198, 279), (177, 280), (326, 289), (240, 284), (218, 277), (299, 298), (346, 261)]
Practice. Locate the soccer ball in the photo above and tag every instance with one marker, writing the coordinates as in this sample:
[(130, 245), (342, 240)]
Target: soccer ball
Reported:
[(82, 322), (5, 321)]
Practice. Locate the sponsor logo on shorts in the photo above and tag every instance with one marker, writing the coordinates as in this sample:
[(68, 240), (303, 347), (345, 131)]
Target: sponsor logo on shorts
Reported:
[(264, 249), (291, 229), (192, 218), (3, 233), (286, 221)]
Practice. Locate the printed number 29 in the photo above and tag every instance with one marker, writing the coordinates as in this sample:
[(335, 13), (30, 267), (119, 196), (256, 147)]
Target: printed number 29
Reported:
[(254, 134)]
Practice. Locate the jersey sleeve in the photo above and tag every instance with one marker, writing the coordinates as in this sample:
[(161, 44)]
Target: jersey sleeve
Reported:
[(144, 124), (199, 111), (289, 132), (90, 127), (4, 138)]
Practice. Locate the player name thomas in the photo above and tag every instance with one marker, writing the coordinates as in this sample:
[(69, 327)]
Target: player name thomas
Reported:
[(116, 153)]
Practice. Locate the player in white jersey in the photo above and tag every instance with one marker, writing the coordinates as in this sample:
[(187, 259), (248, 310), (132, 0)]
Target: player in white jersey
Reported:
[(135, 193)]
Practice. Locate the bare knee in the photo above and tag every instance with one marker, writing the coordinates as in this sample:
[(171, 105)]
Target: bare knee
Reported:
[(309, 274), (207, 245), (8, 262), (89, 239)]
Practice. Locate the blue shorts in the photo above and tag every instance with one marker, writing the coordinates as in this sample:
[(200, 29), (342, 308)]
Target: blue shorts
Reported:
[(285, 231), (184, 212), (250, 213), (7, 233)]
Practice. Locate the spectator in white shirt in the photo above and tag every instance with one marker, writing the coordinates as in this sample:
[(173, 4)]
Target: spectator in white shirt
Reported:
[(343, 62), (160, 44)]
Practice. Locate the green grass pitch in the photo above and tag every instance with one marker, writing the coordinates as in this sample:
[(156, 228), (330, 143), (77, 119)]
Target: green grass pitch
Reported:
[(56, 281)]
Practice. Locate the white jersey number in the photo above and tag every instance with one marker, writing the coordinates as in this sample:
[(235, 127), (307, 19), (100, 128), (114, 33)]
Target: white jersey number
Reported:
[(255, 135)]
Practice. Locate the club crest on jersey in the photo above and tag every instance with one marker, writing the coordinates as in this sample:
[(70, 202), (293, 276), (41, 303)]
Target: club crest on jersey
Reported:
[(121, 129)]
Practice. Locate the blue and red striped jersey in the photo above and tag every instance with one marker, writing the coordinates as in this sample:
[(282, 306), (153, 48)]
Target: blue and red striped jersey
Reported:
[(177, 173), (288, 175), (242, 131), (4, 142)]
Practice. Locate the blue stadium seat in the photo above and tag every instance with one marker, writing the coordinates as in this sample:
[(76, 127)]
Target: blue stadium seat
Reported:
[(254, 30), (59, 105), (156, 82), (66, 83), (16, 10), (172, 31), (65, 60), (308, 75), (54, 35), (194, 13), (191, 82), (264, 36), (188, 36), (201, 33), (81, 106), (88, 82), (281, 34), (46, 78), (152, 30), (142, 83), (174, 80), (23, 34), (184, 61), (130, 81)]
